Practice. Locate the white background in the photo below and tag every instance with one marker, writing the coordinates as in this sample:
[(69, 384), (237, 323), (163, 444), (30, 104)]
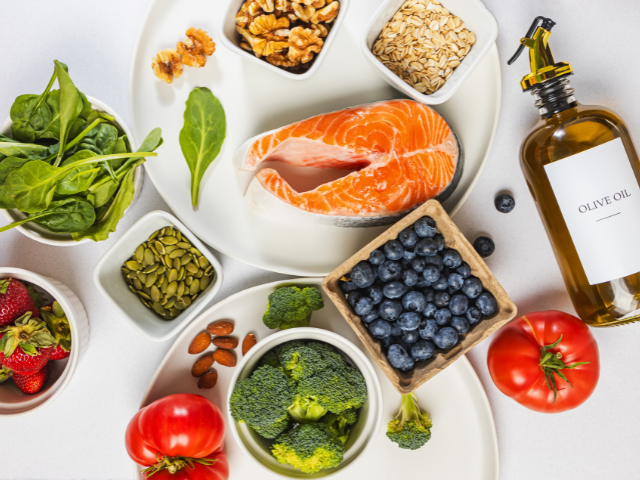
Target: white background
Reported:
[(81, 434)]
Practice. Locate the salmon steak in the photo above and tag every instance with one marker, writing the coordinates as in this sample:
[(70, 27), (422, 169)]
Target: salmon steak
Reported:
[(398, 155)]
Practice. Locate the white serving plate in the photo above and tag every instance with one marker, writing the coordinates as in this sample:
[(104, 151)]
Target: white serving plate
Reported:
[(463, 445), (257, 100)]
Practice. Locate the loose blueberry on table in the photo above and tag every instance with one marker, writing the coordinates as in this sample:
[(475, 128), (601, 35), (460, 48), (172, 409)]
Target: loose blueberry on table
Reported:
[(418, 306)]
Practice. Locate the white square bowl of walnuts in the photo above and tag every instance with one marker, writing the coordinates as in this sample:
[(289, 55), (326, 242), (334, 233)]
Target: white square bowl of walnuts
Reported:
[(289, 37)]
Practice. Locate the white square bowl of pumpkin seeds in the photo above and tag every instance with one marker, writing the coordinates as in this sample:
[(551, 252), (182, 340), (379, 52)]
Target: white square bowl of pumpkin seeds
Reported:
[(158, 276)]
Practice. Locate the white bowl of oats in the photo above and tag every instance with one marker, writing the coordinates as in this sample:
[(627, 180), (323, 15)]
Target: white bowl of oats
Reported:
[(288, 37), (428, 48)]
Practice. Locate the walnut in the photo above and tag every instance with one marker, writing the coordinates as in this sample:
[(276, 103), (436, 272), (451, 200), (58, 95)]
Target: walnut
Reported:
[(319, 30), (274, 47), (266, 5), (246, 46), (326, 14), (304, 13), (284, 32), (167, 65), (249, 10), (292, 17), (281, 61), (195, 49), (257, 44), (267, 24), (283, 6), (302, 43), (313, 3)]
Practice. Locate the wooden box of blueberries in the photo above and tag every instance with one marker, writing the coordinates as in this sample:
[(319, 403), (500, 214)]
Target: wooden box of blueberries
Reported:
[(423, 295)]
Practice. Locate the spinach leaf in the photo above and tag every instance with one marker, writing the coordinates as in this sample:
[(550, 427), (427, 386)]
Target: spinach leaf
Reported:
[(86, 107), (81, 178), (32, 186), (52, 128), (26, 150), (70, 107), (7, 166), (109, 221), (29, 115), (202, 135), (69, 215)]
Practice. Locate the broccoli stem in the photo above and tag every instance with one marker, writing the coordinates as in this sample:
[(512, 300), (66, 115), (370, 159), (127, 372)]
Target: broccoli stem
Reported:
[(409, 410)]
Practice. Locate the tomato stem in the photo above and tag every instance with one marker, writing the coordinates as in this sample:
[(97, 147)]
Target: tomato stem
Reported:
[(173, 464), (552, 364)]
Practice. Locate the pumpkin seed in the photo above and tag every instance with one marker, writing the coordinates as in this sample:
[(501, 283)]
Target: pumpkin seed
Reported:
[(159, 309), (169, 231), (146, 290), (160, 279), (180, 290), (167, 240), (199, 273), (195, 287), (169, 248), (188, 280), (125, 270), (184, 245), (165, 286), (174, 311), (170, 303), (191, 268), (145, 295), (155, 294), (132, 275), (204, 263), (209, 271), (154, 235), (133, 265), (186, 301), (195, 252), (161, 269), (142, 277), (172, 288), (193, 297), (186, 259), (180, 305), (159, 247), (145, 303), (151, 279), (204, 283), (178, 252), (167, 260), (139, 253), (181, 273), (137, 284), (151, 268), (133, 289), (176, 263), (148, 256), (178, 234), (173, 275)]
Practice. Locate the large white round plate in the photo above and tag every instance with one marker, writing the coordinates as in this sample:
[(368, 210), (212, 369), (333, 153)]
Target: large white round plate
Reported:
[(257, 100), (463, 444)]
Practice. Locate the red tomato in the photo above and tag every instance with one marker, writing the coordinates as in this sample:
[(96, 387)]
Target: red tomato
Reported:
[(172, 432), (516, 353)]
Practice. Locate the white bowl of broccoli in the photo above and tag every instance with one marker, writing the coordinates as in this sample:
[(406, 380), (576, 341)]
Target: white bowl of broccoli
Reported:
[(316, 420)]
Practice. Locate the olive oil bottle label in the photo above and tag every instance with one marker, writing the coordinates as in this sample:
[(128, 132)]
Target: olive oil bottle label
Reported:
[(599, 197)]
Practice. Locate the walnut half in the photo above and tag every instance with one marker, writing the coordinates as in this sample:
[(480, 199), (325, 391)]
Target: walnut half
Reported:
[(196, 47), (167, 65), (302, 44)]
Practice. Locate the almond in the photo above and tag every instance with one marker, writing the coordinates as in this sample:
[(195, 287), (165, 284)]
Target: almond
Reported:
[(225, 357), (208, 380), (202, 365), (220, 328), (248, 343), (225, 342), (200, 343)]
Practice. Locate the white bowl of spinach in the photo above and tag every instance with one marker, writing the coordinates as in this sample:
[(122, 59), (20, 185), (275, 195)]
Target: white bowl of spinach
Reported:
[(68, 171)]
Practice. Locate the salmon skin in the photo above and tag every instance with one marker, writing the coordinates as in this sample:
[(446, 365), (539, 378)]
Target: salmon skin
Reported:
[(401, 154)]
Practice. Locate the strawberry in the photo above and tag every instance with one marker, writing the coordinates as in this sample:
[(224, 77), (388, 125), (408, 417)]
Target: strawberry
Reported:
[(33, 383), (26, 346), (59, 327), (14, 301)]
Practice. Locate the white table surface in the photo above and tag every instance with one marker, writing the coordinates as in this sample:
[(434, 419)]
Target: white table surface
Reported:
[(81, 434)]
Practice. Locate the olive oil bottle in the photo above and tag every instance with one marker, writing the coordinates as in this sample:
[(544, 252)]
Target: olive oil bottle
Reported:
[(583, 172)]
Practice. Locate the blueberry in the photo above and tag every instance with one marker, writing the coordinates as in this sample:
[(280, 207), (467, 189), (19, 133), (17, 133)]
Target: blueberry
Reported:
[(443, 316), (409, 255), (375, 293), (347, 287), (441, 299), (363, 306), (473, 315), (429, 330), (394, 289), (422, 350), (440, 241), (390, 310), (472, 287), (458, 304), (410, 277), (446, 337), (431, 273), (408, 237), (414, 302), (428, 294), (400, 341), (380, 329), (455, 281), (411, 336), (430, 310), (486, 303), (396, 331), (427, 247), (409, 321), (393, 249), (353, 297), (370, 317), (451, 258), (435, 260), (386, 342), (363, 275), (400, 359), (484, 246), (504, 203), (389, 271), (418, 264), (461, 324), (464, 269), (377, 257), (422, 283), (441, 284), (425, 227)]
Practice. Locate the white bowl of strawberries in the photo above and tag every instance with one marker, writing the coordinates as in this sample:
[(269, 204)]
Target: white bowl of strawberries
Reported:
[(43, 332)]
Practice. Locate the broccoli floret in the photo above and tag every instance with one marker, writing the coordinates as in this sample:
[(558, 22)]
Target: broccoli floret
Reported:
[(270, 358), (309, 447), (261, 401), (291, 307), (301, 359), (335, 389), (340, 423), (411, 428), (305, 410)]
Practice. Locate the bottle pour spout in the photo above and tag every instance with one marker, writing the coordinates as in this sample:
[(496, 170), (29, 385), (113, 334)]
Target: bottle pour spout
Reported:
[(543, 65)]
